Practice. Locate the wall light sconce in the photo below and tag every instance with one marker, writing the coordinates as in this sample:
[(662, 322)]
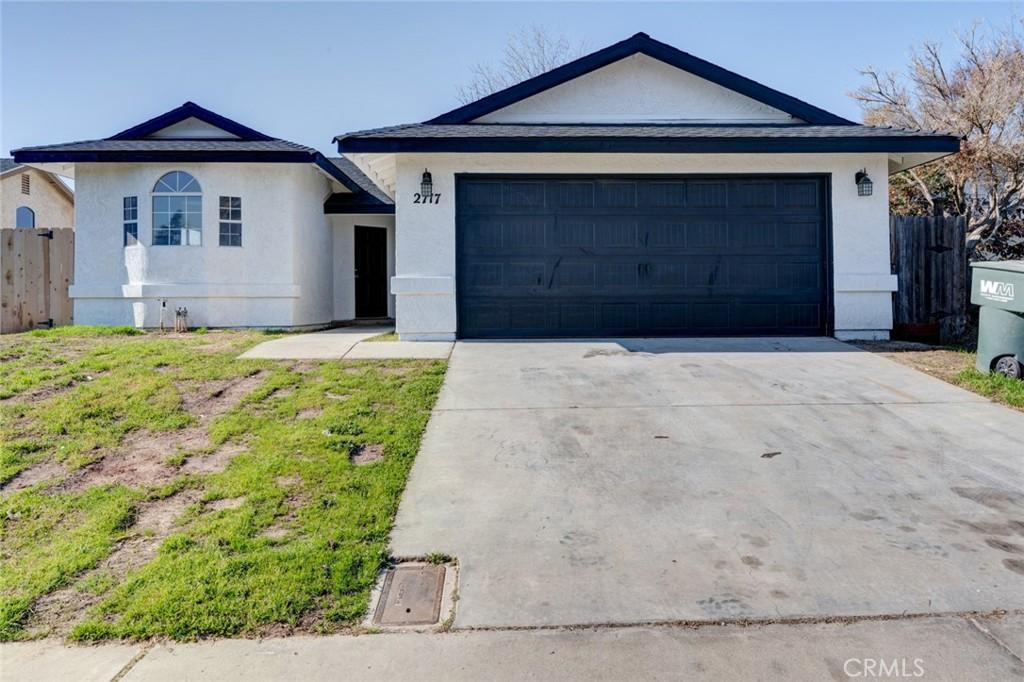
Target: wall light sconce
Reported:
[(426, 184), (864, 185)]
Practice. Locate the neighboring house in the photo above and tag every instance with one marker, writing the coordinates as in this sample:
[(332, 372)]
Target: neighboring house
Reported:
[(638, 190), (34, 198)]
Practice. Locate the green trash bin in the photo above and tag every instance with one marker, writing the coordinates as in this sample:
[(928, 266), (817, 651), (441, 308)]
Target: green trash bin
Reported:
[(998, 287)]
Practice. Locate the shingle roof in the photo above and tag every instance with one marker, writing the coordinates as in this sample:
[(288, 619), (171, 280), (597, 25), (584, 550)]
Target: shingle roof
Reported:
[(360, 178), (510, 137), (7, 164), (238, 143), (368, 199)]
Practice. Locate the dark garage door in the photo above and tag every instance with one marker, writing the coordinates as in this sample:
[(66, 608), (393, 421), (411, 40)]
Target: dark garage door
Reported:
[(549, 256)]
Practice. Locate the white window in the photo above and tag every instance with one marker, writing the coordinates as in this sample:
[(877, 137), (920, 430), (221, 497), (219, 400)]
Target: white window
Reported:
[(131, 220), (24, 217), (230, 221), (26, 183), (177, 210)]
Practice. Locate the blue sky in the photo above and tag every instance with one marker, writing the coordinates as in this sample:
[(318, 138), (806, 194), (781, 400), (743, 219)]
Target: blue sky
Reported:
[(309, 71)]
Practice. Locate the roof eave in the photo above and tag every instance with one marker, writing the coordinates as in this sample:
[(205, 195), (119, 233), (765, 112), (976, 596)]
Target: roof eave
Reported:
[(359, 209), (29, 155), (650, 145)]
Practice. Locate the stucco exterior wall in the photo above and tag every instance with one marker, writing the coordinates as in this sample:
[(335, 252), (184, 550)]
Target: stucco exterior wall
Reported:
[(425, 284), (637, 89), (281, 276), (53, 208), (344, 294)]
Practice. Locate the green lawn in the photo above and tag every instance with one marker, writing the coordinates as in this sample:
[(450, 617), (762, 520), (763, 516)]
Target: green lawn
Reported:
[(158, 486), (993, 386)]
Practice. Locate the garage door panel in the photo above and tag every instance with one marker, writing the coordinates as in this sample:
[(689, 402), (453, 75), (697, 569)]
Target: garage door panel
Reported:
[(707, 194), (616, 195), (662, 194), (526, 195), (801, 194), (623, 256), (757, 194), (707, 234), (615, 233), (752, 235)]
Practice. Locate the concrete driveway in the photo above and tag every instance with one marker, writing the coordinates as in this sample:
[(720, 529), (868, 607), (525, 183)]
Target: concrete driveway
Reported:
[(711, 480)]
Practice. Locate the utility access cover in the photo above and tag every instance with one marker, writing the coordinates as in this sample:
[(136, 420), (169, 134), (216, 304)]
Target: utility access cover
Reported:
[(411, 595)]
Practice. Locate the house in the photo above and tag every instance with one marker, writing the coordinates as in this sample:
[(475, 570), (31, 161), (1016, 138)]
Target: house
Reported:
[(191, 209), (638, 190), (34, 198)]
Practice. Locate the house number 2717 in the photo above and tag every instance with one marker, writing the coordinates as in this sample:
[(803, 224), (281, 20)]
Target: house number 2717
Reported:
[(434, 198)]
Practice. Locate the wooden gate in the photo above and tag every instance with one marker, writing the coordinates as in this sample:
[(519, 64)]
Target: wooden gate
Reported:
[(929, 258), (38, 266)]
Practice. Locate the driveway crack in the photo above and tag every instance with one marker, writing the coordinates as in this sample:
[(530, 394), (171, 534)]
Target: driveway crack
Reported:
[(131, 664), (991, 636)]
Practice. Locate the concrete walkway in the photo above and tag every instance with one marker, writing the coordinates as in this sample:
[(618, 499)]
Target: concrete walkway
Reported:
[(346, 343), (638, 481), (949, 648)]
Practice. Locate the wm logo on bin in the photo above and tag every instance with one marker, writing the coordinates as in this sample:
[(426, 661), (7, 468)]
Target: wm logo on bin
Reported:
[(996, 291)]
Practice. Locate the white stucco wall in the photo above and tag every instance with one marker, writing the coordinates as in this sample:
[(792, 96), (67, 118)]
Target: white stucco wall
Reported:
[(281, 276), (53, 207), (425, 284), (637, 89), (344, 295)]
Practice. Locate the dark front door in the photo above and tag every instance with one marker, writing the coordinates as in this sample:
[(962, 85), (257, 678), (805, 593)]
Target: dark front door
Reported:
[(560, 255), (371, 271)]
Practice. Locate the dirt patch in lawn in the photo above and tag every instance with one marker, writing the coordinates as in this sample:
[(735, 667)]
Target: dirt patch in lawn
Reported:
[(213, 398), (213, 462), (37, 473), (146, 458), (224, 503), (309, 413), (367, 454), (942, 363), (58, 612)]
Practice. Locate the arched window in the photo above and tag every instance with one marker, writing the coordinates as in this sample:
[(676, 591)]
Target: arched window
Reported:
[(177, 210), (24, 217)]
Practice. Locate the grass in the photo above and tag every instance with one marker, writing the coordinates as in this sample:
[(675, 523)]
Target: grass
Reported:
[(955, 365), (70, 398), (387, 336), (993, 386)]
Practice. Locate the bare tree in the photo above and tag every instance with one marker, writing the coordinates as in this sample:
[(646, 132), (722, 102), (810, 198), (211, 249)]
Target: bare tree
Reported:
[(529, 52), (979, 97)]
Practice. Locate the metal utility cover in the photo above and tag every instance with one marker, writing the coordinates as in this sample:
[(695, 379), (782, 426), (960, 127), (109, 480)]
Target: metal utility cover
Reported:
[(411, 596)]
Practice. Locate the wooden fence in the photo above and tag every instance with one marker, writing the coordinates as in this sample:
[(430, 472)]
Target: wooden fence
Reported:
[(929, 258), (37, 266)]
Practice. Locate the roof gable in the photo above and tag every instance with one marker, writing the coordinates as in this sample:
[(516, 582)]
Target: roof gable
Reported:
[(638, 89), (190, 118), (643, 44)]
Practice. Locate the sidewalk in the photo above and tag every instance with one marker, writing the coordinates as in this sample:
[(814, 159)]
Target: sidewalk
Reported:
[(347, 343), (943, 648)]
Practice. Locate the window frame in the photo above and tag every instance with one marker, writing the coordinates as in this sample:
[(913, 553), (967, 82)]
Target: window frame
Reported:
[(233, 221), (185, 238), (130, 220)]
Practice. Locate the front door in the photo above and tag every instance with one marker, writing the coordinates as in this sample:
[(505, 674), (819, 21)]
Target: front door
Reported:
[(371, 271)]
